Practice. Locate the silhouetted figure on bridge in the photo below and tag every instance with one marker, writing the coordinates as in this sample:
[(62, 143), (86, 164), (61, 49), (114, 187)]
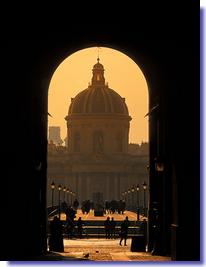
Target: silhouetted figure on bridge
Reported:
[(70, 215), (75, 204), (86, 206), (79, 227), (70, 228), (121, 206), (124, 231), (112, 228), (107, 226), (56, 235)]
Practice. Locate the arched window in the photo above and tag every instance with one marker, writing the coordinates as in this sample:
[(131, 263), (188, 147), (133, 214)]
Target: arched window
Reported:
[(98, 142)]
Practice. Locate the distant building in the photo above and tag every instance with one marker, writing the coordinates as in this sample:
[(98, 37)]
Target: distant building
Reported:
[(54, 135), (136, 149), (98, 158)]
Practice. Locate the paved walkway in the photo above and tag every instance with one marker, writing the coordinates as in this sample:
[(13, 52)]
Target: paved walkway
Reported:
[(104, 250)]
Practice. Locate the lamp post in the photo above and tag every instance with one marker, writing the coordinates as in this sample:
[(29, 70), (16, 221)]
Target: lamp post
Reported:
[(137, 202), (128, 191), (52, 188), (71, 198), (125, 193), (59, 189), (64, 190), (132, 190), (67, 195), (144, 187)]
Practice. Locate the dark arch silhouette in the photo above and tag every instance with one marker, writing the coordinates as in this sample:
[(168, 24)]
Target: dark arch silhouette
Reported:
[(170, 65)]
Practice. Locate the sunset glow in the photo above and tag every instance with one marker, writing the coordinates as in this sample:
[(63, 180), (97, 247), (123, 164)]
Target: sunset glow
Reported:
[(122, 74)]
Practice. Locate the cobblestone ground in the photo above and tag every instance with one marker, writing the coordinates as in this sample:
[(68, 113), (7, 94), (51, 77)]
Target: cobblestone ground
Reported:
[(105, 250)]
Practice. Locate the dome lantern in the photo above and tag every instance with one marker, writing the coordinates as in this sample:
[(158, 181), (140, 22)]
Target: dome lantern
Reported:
[(98, 98), (98, 74)]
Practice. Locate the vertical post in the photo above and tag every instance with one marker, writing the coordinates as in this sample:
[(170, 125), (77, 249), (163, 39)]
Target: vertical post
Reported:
[(59, 188), (137, 202), (52, 188), (64, 190), (129, 202), (132, 190), (144, 187), (67, 196), (71, 198), (126, 202)]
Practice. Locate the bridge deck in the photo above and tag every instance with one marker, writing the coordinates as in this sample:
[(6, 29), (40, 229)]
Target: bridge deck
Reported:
[(132, 216)]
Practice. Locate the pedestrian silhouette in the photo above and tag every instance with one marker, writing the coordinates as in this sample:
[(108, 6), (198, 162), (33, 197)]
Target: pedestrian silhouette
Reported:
[(124, 231), (112, 227), (79, 227), (107, 227)]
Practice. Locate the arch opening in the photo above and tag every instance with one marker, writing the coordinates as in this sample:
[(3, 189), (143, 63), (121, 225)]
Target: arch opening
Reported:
[(98, 99)]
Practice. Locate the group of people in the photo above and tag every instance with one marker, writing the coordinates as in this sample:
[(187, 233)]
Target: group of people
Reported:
[(114, 206), (110, 229), (57, 230), (110, 226)]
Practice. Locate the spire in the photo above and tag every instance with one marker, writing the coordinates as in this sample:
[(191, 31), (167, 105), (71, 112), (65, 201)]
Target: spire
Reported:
[(98, 48)]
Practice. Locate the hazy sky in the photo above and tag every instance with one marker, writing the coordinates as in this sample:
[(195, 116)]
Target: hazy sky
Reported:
[(122, 74)]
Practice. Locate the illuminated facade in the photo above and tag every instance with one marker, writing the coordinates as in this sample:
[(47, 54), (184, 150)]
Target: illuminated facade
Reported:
[(96, 158)]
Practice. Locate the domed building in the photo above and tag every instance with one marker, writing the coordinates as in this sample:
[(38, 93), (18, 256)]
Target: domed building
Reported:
[(98, 120), (97, 162)]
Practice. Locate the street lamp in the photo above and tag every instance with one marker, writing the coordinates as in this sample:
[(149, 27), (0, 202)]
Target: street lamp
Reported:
[(159, 165), (132, 190), (59, 189), (64, 190), (52, 188), (125, 193), (144, 187), (71, 198), (67, 195), (137, 202), (128, 191)]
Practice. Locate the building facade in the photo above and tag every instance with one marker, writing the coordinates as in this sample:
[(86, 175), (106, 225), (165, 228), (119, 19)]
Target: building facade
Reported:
[(54, 135), (98, 158)]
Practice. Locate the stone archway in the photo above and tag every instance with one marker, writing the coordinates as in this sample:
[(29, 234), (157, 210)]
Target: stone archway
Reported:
[(177, 124), (156, 195)]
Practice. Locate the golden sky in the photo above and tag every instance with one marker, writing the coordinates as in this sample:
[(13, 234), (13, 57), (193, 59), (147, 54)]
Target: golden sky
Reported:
[(122, 74)]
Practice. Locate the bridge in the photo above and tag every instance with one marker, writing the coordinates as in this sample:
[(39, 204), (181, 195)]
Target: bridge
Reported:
[(93, 226)]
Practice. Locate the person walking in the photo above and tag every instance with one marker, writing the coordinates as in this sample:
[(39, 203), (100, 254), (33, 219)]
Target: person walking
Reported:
[(79, 227), (107, 227), (112, 227), (124, 231)]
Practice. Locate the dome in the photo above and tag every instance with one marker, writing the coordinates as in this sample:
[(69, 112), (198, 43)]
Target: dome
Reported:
[(98, 100), (98, 97)]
